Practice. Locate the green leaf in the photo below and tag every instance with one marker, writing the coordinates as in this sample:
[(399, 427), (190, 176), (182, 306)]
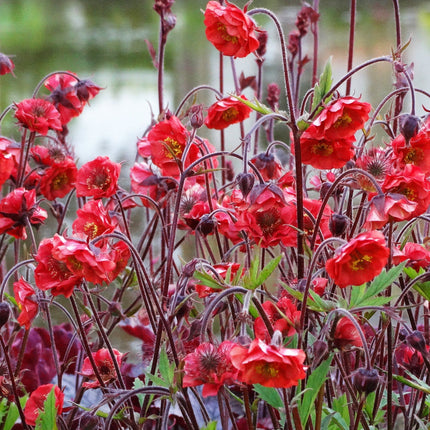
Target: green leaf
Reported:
[(211, 426), (416, 383), (323, 86), (12, 413), (47, 419), (269, 395), (315, 382), (422, 288), (138, 383), (256, 105), (167, 370), (268, 270), (207, 280)]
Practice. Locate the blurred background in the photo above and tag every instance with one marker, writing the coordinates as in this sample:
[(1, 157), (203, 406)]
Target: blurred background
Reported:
[(104, 40)]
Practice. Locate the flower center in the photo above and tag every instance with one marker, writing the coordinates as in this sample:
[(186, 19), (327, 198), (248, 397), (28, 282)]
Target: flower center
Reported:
[(230, 114), (59, 181), (343, 121), (322, 148), (99, 180), (91, 229), (268, 221), (414, 156), (267, 370), (224, 34), (361, 262), (173, 148)]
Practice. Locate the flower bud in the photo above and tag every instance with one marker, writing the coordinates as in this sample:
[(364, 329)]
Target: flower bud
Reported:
[(4, 313), (206, 225), (409, 126), (88, 421), (273, 94), (229, 171), (417, 341), (365, 380), (262, 37), (245, 182), (196, 116), (338, 224)]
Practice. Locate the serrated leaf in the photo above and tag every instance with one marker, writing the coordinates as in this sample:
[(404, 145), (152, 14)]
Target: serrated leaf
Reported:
[(138, 383), (47, 419), (325, 305), (268, 269), (313, 385), (269, 395), (156, 380), (167, 370), (323, 86)]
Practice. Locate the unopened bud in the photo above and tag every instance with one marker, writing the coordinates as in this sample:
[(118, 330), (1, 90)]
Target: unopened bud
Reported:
[(196, 116), (88, 421), (245, 181), (338, 224), (365, 380), (206, 225), (409, 126), (417, 341), (4, 313)]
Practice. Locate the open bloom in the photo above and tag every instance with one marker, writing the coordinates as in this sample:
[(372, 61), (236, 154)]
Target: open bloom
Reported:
[(35, 404), (225, 112), (230, 30), (98, 178), (269, 365), (18, 208), (346, 334), (358, 261), (58, 179), (24, 294), (210, 366), (38, 115), (105, 367)]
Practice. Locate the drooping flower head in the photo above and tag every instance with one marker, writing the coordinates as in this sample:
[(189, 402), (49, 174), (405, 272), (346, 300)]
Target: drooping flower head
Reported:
[(36, 401), (24, 295), (6, 64), (230, 30), (227, 111), (269, 365), (98, 178), (346, 334), (38, 115), (18, 208), (358, 261), (210, 366), (105, 367)]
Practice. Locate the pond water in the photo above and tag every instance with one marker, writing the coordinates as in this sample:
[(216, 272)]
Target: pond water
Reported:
[(107, 45)]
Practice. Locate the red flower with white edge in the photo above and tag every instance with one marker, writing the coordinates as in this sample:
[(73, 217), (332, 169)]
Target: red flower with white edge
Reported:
[(24, 294), (346, 334), (98, 178), (389, 207), (38, 115), (324, 153), (58, 179), (64, 96), (18, 208), (342, 118), (358, 261), (283, 317), (211, 367), (6, 64), (412, 183), (105, 367), (36, 402), (93, 220), (226, 112), (53, 274), (167, 141), (269, 365), (230, 30)]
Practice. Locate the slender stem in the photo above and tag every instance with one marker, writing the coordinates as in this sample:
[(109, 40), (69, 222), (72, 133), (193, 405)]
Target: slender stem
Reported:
[(351, 44)]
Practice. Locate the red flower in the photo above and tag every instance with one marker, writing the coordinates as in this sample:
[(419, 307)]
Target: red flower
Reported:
[(35, 404), (412, 183), (167, 141), (417, 255), (227, 111), (360, 260), (38, 115), (6, 64), (86, 90), (58, 179), (230, 30), (98, 178), (324, 153), (29, 308), (51, 273), (93, 220), (269, 167), (210, 366), (269, 365), (283, 316), (7, 160), (16, 209), (342, 118), (346, 334), (64, 96), (105, 367)]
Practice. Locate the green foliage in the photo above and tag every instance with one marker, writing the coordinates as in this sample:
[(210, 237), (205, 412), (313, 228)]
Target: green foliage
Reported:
[(423, 288), (166, 371), (47, 419), (255, 278), (314, 383), (323, 86), (211, 426), (269, 395), (336, 417), (9, 413)]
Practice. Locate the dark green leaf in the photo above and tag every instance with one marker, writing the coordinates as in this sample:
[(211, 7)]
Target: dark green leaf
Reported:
[(269, 395)]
